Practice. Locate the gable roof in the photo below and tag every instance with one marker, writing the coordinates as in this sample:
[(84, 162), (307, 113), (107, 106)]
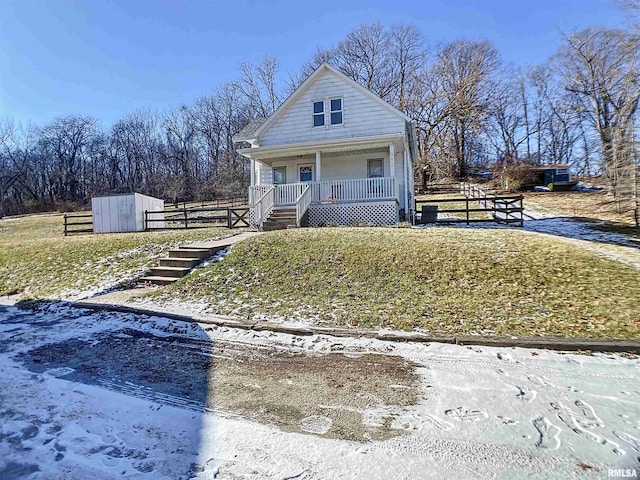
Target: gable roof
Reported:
[(304, 86), (248, 132)]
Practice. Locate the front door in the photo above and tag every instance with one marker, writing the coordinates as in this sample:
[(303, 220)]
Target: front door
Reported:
[(305, 173)]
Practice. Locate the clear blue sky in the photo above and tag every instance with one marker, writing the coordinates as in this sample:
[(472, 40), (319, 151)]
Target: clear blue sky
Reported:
[(109, 58)]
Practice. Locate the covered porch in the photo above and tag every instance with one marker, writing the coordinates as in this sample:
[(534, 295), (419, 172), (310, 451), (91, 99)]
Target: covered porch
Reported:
[(345, 182)]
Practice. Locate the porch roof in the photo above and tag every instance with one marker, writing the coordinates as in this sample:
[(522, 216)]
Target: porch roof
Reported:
[(267, 154)]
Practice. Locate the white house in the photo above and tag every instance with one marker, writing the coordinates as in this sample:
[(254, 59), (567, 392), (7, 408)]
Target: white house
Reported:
[(333, 153)]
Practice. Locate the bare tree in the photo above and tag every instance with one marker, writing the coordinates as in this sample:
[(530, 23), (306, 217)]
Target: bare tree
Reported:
[(407, 50), (600, 69), (258, 86), (66, 140), (466, 70)]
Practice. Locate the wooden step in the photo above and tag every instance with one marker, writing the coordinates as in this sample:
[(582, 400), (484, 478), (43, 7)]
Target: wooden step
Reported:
[(157, 280), (199, 253), (282, 215), (269, 227), (179, 262), (175, 272)]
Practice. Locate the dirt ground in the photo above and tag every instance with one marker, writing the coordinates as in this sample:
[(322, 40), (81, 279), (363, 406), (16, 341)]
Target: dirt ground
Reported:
[(319, 394)]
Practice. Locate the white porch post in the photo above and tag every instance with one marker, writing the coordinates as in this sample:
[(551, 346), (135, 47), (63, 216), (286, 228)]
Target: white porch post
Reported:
[(405, 173), (253, 172), (392, 160), (318, 157)]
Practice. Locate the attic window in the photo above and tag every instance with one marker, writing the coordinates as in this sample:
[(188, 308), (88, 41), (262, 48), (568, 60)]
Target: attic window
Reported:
[(318, 114), (336, 111)]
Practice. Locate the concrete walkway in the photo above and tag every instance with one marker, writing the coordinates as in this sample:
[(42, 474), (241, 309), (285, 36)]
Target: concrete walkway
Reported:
[(224, 242)]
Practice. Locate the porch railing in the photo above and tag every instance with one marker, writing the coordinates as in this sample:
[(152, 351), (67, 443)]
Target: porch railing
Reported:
[(288, 193), (264, 205), (302, 204), (359, 189), (256, 192), (354, 190), (263, 198)]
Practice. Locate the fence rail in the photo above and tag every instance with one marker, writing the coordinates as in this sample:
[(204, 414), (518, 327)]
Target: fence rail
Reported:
[(221, 202), (186, 218), (502, 208), (70, 224)]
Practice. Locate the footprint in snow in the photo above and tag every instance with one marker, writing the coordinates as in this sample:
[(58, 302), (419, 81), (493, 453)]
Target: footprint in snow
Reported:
[(464, 415), (526, 395), (548, 432)]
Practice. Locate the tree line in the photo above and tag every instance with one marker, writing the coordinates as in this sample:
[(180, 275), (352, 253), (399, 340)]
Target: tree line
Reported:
[(472, 113)]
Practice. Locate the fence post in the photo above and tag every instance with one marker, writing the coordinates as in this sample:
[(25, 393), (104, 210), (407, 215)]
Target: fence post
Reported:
[(229, 217), (146, 220), (521, 211), (186, 225), (65, 224), (467, 201)]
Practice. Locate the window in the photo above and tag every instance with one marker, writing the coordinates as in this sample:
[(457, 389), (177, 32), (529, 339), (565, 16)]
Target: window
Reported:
[(306, 173), (279, 175), (562, 171), (318, 114), (375, 168), (336, 111)]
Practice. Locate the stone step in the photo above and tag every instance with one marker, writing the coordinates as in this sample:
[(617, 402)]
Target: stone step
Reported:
[(200, 253), (180, 262), (212, 250), (158, 280), (175, 272)]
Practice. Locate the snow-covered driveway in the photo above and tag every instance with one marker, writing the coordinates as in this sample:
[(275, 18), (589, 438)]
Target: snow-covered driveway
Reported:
[(101, 395)]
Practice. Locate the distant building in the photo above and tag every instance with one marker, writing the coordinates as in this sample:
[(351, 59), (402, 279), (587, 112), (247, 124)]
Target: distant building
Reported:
[(555, 177)]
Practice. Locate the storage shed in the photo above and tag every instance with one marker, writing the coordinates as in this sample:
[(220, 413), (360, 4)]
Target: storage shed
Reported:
[(125, 212)]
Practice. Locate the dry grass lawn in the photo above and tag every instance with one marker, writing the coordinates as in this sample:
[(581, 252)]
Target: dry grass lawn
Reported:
[(587, 206), (38, 261), (443, 280)]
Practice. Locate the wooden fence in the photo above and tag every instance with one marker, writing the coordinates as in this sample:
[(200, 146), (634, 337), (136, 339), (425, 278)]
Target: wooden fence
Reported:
[(221, 202), (502, 208), (71, 223), (185, 218)]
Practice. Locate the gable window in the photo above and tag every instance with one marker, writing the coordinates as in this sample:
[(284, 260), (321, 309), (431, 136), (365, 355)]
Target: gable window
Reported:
[(336, 111), (318, 114)]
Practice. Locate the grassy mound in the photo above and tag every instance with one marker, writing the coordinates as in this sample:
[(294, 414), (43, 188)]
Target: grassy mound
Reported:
[(37, 260), (444, 280)]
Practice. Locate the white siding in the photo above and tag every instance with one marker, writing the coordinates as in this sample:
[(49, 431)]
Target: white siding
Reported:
[(265, 174), (144, 202), (362, 116), (123, 213)]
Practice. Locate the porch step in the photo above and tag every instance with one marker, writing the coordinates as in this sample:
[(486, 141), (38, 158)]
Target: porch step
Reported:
[(283, 214), (280, 219)]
